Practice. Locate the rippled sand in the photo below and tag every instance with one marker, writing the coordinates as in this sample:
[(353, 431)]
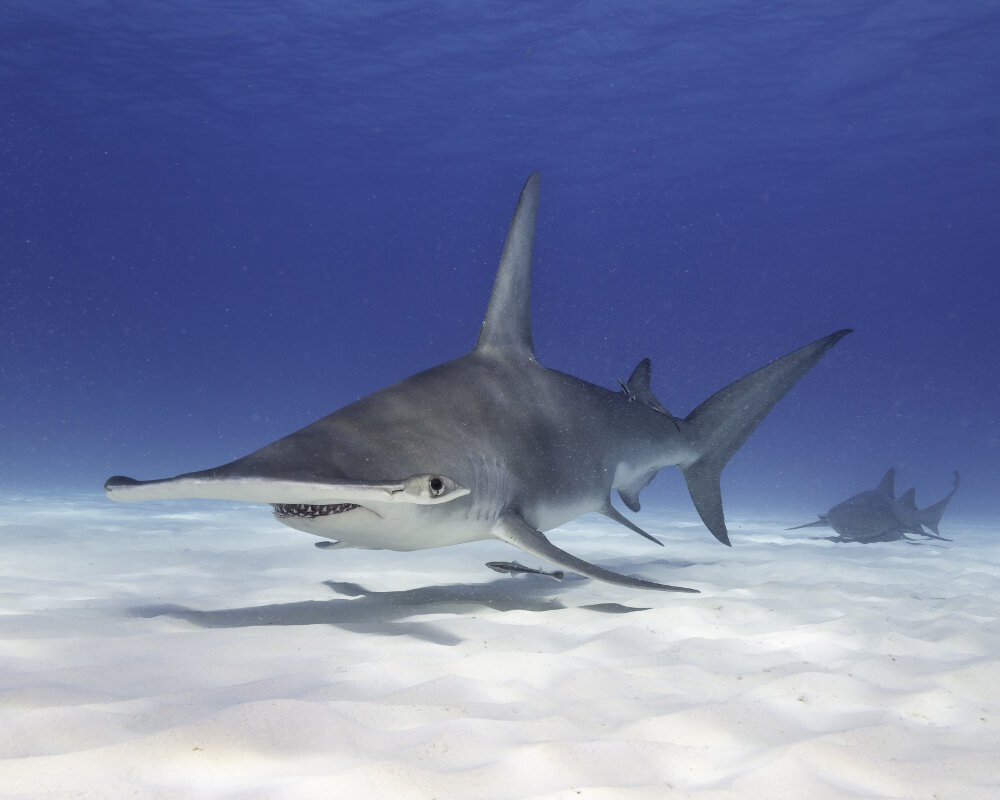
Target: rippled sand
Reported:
[(204, 651)]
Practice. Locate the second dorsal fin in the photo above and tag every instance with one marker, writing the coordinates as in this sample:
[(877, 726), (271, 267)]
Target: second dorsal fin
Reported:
[(637, 387)]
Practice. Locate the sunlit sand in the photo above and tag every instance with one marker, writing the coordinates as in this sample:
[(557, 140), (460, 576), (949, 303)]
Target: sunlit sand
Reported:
[(206, 650)]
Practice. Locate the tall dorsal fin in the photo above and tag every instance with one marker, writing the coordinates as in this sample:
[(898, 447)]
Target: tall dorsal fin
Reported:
[(507, 325), (888, 483)]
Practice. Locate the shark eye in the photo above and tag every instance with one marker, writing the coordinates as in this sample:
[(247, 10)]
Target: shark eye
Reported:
[(429, 488)]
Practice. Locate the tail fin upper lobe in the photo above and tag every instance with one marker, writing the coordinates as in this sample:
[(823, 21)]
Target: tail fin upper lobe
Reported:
[(721, 424), (931, 516)]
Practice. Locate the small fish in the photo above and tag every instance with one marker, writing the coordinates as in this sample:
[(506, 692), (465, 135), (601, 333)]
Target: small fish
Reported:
[(512, 567)]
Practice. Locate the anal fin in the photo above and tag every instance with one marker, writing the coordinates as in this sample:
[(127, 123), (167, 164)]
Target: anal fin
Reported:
[(629, 493), (512, 529)]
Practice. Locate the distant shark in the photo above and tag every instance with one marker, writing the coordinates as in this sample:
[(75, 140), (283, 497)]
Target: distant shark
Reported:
[(493, 445), (878, 516)]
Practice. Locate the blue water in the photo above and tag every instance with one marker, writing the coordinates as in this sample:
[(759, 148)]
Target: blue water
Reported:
[(221, 221)]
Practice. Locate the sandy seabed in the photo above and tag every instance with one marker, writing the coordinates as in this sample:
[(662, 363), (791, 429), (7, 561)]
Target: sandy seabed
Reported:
[(175, 651)]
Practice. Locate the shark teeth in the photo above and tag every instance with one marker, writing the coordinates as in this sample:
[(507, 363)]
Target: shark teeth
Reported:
[(305, 511)]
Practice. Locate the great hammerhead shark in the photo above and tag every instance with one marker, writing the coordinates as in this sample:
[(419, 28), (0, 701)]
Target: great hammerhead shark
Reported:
[(493, 444)]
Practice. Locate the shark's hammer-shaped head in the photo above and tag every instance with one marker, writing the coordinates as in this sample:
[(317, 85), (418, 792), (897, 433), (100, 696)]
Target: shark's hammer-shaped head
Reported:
[(356, 513), (383, 472)]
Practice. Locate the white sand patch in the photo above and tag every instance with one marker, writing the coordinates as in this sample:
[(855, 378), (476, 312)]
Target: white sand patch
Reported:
[(195, 651)]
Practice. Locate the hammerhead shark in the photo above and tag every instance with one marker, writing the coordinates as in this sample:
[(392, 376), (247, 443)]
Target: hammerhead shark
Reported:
[(879, 516), (493, 445)]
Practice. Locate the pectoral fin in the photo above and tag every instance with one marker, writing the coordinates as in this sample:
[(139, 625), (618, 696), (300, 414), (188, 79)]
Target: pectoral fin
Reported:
[(820, 523), (512, 529), (612, 513)]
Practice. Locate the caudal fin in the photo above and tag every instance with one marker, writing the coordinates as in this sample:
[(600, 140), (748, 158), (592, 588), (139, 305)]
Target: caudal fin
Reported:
[(930, 517), (722, 424)]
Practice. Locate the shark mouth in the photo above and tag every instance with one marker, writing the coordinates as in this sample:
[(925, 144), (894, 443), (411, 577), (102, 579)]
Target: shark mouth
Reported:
[(306, 511)]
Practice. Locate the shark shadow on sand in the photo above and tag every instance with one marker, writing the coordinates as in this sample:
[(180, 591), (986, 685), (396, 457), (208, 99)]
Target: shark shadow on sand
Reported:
[(366, 611)]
